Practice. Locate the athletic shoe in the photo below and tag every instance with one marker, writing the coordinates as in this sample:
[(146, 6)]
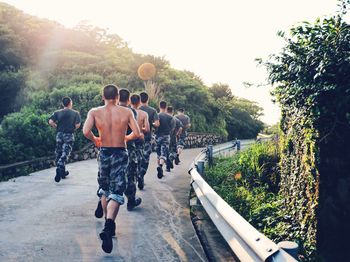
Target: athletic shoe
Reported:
[(106, 236), (65, 174), (140, 183), (171, 165), (167, 169), (58, 175), (177, 160), (132, 204), (160, 172), (99, 210)]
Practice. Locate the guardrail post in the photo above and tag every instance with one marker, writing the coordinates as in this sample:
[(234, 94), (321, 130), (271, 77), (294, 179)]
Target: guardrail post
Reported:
[(238, 145), (200, 167), (210, 155), (290, 247)]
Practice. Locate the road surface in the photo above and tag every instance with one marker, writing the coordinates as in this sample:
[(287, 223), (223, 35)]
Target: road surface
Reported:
[(41, 220)]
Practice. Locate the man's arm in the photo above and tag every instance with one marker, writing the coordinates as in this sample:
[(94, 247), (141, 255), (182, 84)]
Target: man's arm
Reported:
[(134, 127), (156, 122), (88, 125), (53, 120), (77, 121), (189, 123), (52, 123)]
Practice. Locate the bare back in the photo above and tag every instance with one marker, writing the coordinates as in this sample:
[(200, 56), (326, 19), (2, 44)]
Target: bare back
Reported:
[(142, 120), (112, 123)]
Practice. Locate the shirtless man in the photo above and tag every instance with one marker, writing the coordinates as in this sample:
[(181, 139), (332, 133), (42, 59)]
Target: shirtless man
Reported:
[(153, 120), (112, 122), (142, 120), (132, 172)]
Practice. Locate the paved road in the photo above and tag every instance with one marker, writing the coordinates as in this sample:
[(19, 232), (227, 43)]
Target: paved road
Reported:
[(41, 220)]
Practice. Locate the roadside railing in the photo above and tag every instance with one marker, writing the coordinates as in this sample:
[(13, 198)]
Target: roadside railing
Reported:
[(246, 242)]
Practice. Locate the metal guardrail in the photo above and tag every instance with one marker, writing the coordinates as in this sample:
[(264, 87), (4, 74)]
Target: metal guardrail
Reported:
[(246, 242)]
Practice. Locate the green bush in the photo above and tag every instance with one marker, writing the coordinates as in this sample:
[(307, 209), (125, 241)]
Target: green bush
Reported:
[(249, 182)]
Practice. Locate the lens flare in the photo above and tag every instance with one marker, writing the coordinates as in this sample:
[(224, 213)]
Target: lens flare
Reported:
[(146, 71)]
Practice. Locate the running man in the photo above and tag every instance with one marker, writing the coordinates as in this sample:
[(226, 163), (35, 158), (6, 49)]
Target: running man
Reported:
[(167, 123), (153, 120), (112, 122), (142, 120), (66, 121), (186, 124), (130, 192), (174, 136)]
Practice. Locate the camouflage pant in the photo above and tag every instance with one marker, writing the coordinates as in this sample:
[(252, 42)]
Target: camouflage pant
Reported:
[(64, 145), (172, 148), (163, 146), (113, 164), (147, 150), (182, 142), (130, 191), (140, 145)]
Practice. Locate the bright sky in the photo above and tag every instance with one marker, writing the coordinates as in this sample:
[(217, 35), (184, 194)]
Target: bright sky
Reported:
[(217, 40)]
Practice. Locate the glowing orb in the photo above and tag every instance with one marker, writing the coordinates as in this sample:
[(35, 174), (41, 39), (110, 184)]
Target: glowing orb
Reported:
[(146, 71)]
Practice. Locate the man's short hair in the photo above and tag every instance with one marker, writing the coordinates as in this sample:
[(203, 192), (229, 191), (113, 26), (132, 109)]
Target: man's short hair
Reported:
[(135, 99), (181, 110), (66, 101), (124, 95), (110, 92), (144, 97), (170, 109), (162, 104)]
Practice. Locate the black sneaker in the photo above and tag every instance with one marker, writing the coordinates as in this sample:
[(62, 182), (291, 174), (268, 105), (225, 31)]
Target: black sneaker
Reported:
[(58, 175), (140, 183), (132, 204), (160, 172), (106, 236), (167, 169), (171, 165), (177, 160), (99, 210), (66, 173)]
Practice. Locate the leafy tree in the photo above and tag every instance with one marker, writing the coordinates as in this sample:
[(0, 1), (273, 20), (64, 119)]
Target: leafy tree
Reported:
[(311, 78)]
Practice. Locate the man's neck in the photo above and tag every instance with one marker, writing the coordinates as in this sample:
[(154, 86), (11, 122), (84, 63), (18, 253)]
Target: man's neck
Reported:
[(123, 103), (110, 102), (144, 104), (161, 110)]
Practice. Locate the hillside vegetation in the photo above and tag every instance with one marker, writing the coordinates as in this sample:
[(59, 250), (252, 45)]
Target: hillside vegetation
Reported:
[(41, 61)]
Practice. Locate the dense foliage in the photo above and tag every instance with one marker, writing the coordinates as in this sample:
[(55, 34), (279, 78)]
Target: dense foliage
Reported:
[(42, 61), (311, 77), (250, 182)]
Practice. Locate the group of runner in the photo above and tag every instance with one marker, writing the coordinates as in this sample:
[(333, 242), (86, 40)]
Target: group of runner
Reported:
[(125, 126)]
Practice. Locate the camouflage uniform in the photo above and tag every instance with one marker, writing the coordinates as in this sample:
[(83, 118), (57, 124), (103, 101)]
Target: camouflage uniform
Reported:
[(172, 149), (140, 145), (113, 165), (130, 191), (64, 146), (147, 150), (163, 146), (182, 140)]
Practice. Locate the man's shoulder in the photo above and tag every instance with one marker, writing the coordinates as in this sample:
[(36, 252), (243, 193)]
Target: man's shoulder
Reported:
[(142, 113), (148, 109)]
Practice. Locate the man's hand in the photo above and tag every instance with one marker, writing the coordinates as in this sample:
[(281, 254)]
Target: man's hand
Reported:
[(97, 141), (142, 136), (52, 123)]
